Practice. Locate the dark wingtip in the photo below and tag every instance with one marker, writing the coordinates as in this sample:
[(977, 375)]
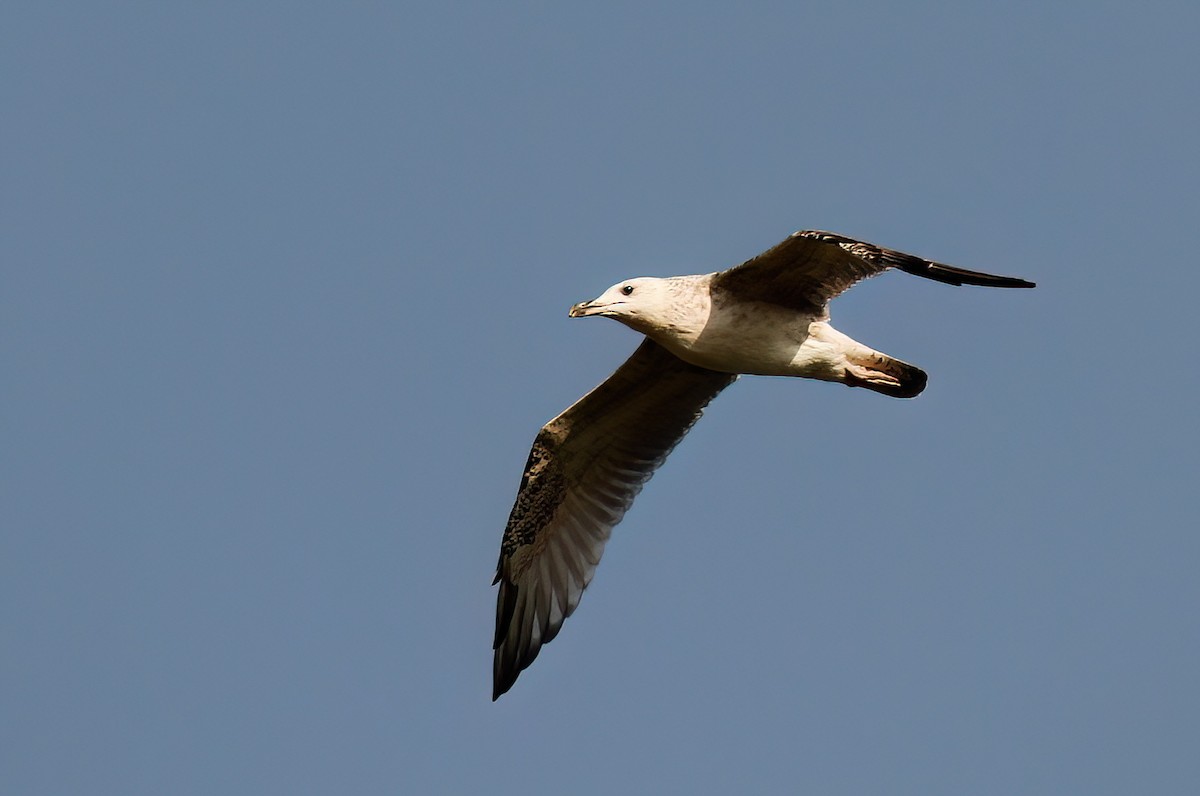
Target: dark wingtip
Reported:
[(952, 275), (504, 665), (502, 680)]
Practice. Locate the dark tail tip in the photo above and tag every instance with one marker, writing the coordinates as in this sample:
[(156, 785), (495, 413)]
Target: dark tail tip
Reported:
[(912, 382), (911, 379)]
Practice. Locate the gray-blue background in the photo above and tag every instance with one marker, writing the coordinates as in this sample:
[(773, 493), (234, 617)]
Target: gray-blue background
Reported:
[(284, 302)]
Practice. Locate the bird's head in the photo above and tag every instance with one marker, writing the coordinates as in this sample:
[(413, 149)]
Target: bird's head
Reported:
[(638, 303)]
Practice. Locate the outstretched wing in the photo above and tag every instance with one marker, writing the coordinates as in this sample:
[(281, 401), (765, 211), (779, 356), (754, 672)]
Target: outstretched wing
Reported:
[(585, 469), (812, 267)]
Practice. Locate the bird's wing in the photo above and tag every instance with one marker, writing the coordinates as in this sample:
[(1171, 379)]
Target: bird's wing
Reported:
[(812, 267), (585, 469)]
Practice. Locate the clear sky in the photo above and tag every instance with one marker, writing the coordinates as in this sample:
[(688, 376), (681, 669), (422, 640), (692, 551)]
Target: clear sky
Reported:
[(284, 303)]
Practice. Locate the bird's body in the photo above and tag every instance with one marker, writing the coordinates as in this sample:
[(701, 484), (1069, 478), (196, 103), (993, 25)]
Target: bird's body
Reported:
[(768, 316), (750, 337)]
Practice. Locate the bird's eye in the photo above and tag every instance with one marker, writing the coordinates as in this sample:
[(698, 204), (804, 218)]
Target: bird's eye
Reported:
[(628, 289)]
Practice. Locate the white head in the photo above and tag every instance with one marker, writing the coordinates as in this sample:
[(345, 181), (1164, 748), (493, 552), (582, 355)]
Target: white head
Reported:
[(645, 303)]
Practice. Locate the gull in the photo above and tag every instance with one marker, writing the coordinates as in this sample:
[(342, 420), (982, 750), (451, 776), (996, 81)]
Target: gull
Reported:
[(768, 316)]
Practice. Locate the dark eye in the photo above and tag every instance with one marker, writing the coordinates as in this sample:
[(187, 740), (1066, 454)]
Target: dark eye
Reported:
[(628, 289)]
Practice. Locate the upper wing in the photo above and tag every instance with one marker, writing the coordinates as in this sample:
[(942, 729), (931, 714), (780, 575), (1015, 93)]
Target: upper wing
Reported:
[(811, 267), (585, 469)]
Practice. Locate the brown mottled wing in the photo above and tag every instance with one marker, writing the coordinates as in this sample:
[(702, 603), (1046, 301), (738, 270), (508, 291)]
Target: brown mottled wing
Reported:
[(585, 469), (812, 267)]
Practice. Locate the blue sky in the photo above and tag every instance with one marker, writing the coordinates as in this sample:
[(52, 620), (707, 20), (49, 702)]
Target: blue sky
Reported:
[(284, 302)]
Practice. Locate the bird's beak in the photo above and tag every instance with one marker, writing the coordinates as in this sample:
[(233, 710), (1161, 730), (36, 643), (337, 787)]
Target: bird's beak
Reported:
[(582, 309)]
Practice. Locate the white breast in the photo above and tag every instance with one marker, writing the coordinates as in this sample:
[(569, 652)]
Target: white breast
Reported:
[(746, 337)]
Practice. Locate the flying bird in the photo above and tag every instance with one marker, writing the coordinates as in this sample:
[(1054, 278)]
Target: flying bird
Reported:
[(768, 316)]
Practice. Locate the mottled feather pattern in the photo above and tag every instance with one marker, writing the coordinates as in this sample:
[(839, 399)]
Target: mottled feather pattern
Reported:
[(542, 490)]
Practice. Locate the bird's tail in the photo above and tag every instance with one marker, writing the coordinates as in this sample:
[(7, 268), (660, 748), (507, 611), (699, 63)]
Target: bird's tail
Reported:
[(883, 374)]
